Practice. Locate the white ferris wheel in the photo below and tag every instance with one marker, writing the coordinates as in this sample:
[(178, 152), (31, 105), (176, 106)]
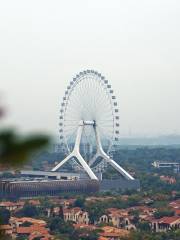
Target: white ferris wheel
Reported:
[(89, 123)]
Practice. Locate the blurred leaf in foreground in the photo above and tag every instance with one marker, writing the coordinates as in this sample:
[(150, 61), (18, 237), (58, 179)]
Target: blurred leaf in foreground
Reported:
[(15, 150)]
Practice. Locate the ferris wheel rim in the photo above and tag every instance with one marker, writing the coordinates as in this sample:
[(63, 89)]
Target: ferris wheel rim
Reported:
[(110, 93)]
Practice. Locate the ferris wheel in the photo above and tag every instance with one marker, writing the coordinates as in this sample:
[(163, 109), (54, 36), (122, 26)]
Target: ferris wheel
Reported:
[(89, 123)]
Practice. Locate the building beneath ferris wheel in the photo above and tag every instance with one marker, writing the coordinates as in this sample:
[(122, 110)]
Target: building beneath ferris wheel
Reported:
[(40, 183)]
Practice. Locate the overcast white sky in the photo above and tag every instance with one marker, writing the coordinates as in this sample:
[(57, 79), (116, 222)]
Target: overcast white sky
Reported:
[(134, 43)]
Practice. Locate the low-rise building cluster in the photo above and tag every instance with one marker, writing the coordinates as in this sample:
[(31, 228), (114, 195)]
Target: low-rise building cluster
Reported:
[(114, 223), (27, 227)]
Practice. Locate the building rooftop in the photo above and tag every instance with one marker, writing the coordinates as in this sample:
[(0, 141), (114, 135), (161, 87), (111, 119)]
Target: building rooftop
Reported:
[(32, 229), (168, 220), (28, 219)]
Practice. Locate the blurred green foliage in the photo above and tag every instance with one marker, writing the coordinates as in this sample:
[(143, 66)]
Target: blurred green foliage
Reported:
[(15, 150)]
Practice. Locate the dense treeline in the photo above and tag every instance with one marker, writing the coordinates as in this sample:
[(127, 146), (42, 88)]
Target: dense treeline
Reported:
[(136, 160), (143, 235), (139, 161), (139, 158)]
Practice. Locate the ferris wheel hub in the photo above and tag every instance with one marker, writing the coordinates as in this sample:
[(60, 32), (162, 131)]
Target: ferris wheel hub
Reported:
[(89, 123)]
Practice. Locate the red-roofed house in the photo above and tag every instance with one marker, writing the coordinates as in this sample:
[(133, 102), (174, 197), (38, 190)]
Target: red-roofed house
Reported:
[(166, 223), (17, 222), (177, 212), (76, 215), (33, 231), (113, 233), (118, 218), (175, 204), (85, 226), (170, 180), (34, 202), (102, 238), (6, 229), (36, 229), (11, 206)]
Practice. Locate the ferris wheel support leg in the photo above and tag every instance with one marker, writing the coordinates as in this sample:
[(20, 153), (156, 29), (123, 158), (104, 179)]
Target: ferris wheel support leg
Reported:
[(117, 167), (62, 163), (76, 153), (100, 152), (86, 167), (81, 161), (93, 159)]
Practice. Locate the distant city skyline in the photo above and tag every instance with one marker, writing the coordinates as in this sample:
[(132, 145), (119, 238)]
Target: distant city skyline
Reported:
[(134, 44)]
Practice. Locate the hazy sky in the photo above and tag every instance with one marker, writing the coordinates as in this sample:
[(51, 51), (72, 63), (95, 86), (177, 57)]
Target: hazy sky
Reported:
[(134, 43)]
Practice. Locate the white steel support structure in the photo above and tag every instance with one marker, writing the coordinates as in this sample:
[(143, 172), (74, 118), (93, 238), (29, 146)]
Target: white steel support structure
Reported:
[(100, 153)]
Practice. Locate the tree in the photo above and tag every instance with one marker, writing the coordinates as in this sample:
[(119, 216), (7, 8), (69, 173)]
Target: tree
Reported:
[(4, 216), (28, 210), (163, 213), (143, 226), (15, 150), (80, 202), (135, 214), (7, 175), (57, 225), (26, 224), (95, 211), (93, 235), (21, 238)]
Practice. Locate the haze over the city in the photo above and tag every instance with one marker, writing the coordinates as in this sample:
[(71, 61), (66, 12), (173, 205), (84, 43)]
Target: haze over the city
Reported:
[(135, 44)]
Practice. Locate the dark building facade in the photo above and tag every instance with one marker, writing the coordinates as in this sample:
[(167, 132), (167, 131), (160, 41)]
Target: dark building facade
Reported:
[(119, 184), (48, 187), (10, 189)]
